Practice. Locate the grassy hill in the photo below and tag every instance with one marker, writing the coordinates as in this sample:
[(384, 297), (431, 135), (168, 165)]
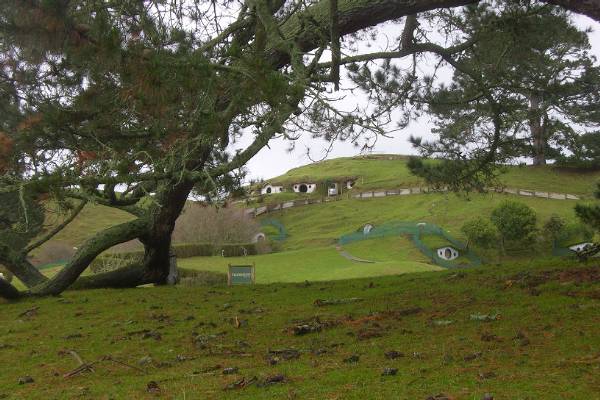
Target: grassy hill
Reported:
[(517, 332), (309, 252), (313, 231), (92, 219), (390, 171), (322, 224), (375, 172)]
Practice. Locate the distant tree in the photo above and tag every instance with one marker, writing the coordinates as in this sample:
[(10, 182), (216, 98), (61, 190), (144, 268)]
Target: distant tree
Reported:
[(585, 152), (516, 222), (480, 232), (516, 95), (205, 223), (590, 215), (553, 228)]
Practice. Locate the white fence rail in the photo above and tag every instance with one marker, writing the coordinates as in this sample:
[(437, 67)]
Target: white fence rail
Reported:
[(401, 192)]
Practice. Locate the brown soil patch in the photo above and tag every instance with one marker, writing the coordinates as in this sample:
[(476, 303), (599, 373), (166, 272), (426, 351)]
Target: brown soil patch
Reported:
[(577, 275), (392, 314)]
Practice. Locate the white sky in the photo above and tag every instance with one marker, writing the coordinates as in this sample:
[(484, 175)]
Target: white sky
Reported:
[(276, 159)]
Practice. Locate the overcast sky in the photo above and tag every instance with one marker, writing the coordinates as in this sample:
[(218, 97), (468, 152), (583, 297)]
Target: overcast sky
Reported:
[(276, 159)]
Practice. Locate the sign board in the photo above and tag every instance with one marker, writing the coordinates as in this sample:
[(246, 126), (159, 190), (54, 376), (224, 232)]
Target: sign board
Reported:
[(240, 275)]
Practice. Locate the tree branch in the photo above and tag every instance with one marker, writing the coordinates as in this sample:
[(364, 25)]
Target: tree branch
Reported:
[(88, 252), (56, 229), (591, 8)]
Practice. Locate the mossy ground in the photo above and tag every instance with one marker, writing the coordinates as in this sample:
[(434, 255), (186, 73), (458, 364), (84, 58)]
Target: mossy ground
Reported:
[(543, 344)]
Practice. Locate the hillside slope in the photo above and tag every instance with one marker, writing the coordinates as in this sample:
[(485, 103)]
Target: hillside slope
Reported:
[(377, 172), (322, 224), (516, 332), (390, 172), (317, 227)]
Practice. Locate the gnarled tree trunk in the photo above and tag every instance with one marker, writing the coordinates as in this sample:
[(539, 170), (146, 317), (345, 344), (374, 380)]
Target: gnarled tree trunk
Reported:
[(21, 268), (88, 252), (157, 242)]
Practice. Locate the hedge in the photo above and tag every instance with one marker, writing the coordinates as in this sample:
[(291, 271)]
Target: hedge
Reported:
[(184, 250), (189, 277)]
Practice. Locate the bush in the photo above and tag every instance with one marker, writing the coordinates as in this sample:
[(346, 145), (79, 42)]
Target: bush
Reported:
[(574, 233), (515, 222), (554, 227), (111, 261), (480, 232), (190, 277)]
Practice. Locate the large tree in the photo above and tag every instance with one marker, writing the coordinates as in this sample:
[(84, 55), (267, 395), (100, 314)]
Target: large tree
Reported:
[(536, 65), (133, 104)]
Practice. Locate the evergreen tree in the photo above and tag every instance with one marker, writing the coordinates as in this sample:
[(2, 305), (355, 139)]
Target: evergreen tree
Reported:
[(133, 104), (536, 85)]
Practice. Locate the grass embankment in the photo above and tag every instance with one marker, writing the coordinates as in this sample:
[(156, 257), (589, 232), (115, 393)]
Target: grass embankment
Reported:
[(543, 342), (322, 224)]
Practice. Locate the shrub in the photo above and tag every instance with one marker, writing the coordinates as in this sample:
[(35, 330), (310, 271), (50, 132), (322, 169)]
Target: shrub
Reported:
[(111, 261), (190, 277), (480, 232), (554, 227), (515, 222), (575, 233)]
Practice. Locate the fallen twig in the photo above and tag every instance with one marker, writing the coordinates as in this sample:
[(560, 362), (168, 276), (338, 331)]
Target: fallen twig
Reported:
[(109, 358), (29, 312), (88, 367), (81, 368), (321, 303)]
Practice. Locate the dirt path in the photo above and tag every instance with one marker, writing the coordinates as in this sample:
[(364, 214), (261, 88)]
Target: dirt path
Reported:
[(350, 257)]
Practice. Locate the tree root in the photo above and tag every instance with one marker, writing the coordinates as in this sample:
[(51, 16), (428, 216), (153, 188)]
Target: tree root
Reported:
[(126, 277), (8, 291)]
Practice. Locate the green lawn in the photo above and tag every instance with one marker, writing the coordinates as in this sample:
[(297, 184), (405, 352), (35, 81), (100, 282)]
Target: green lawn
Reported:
[(542, 345), (323, 263)]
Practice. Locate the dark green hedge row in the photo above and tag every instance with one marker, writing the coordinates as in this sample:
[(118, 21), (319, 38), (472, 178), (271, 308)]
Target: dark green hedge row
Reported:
[(185, 250)]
